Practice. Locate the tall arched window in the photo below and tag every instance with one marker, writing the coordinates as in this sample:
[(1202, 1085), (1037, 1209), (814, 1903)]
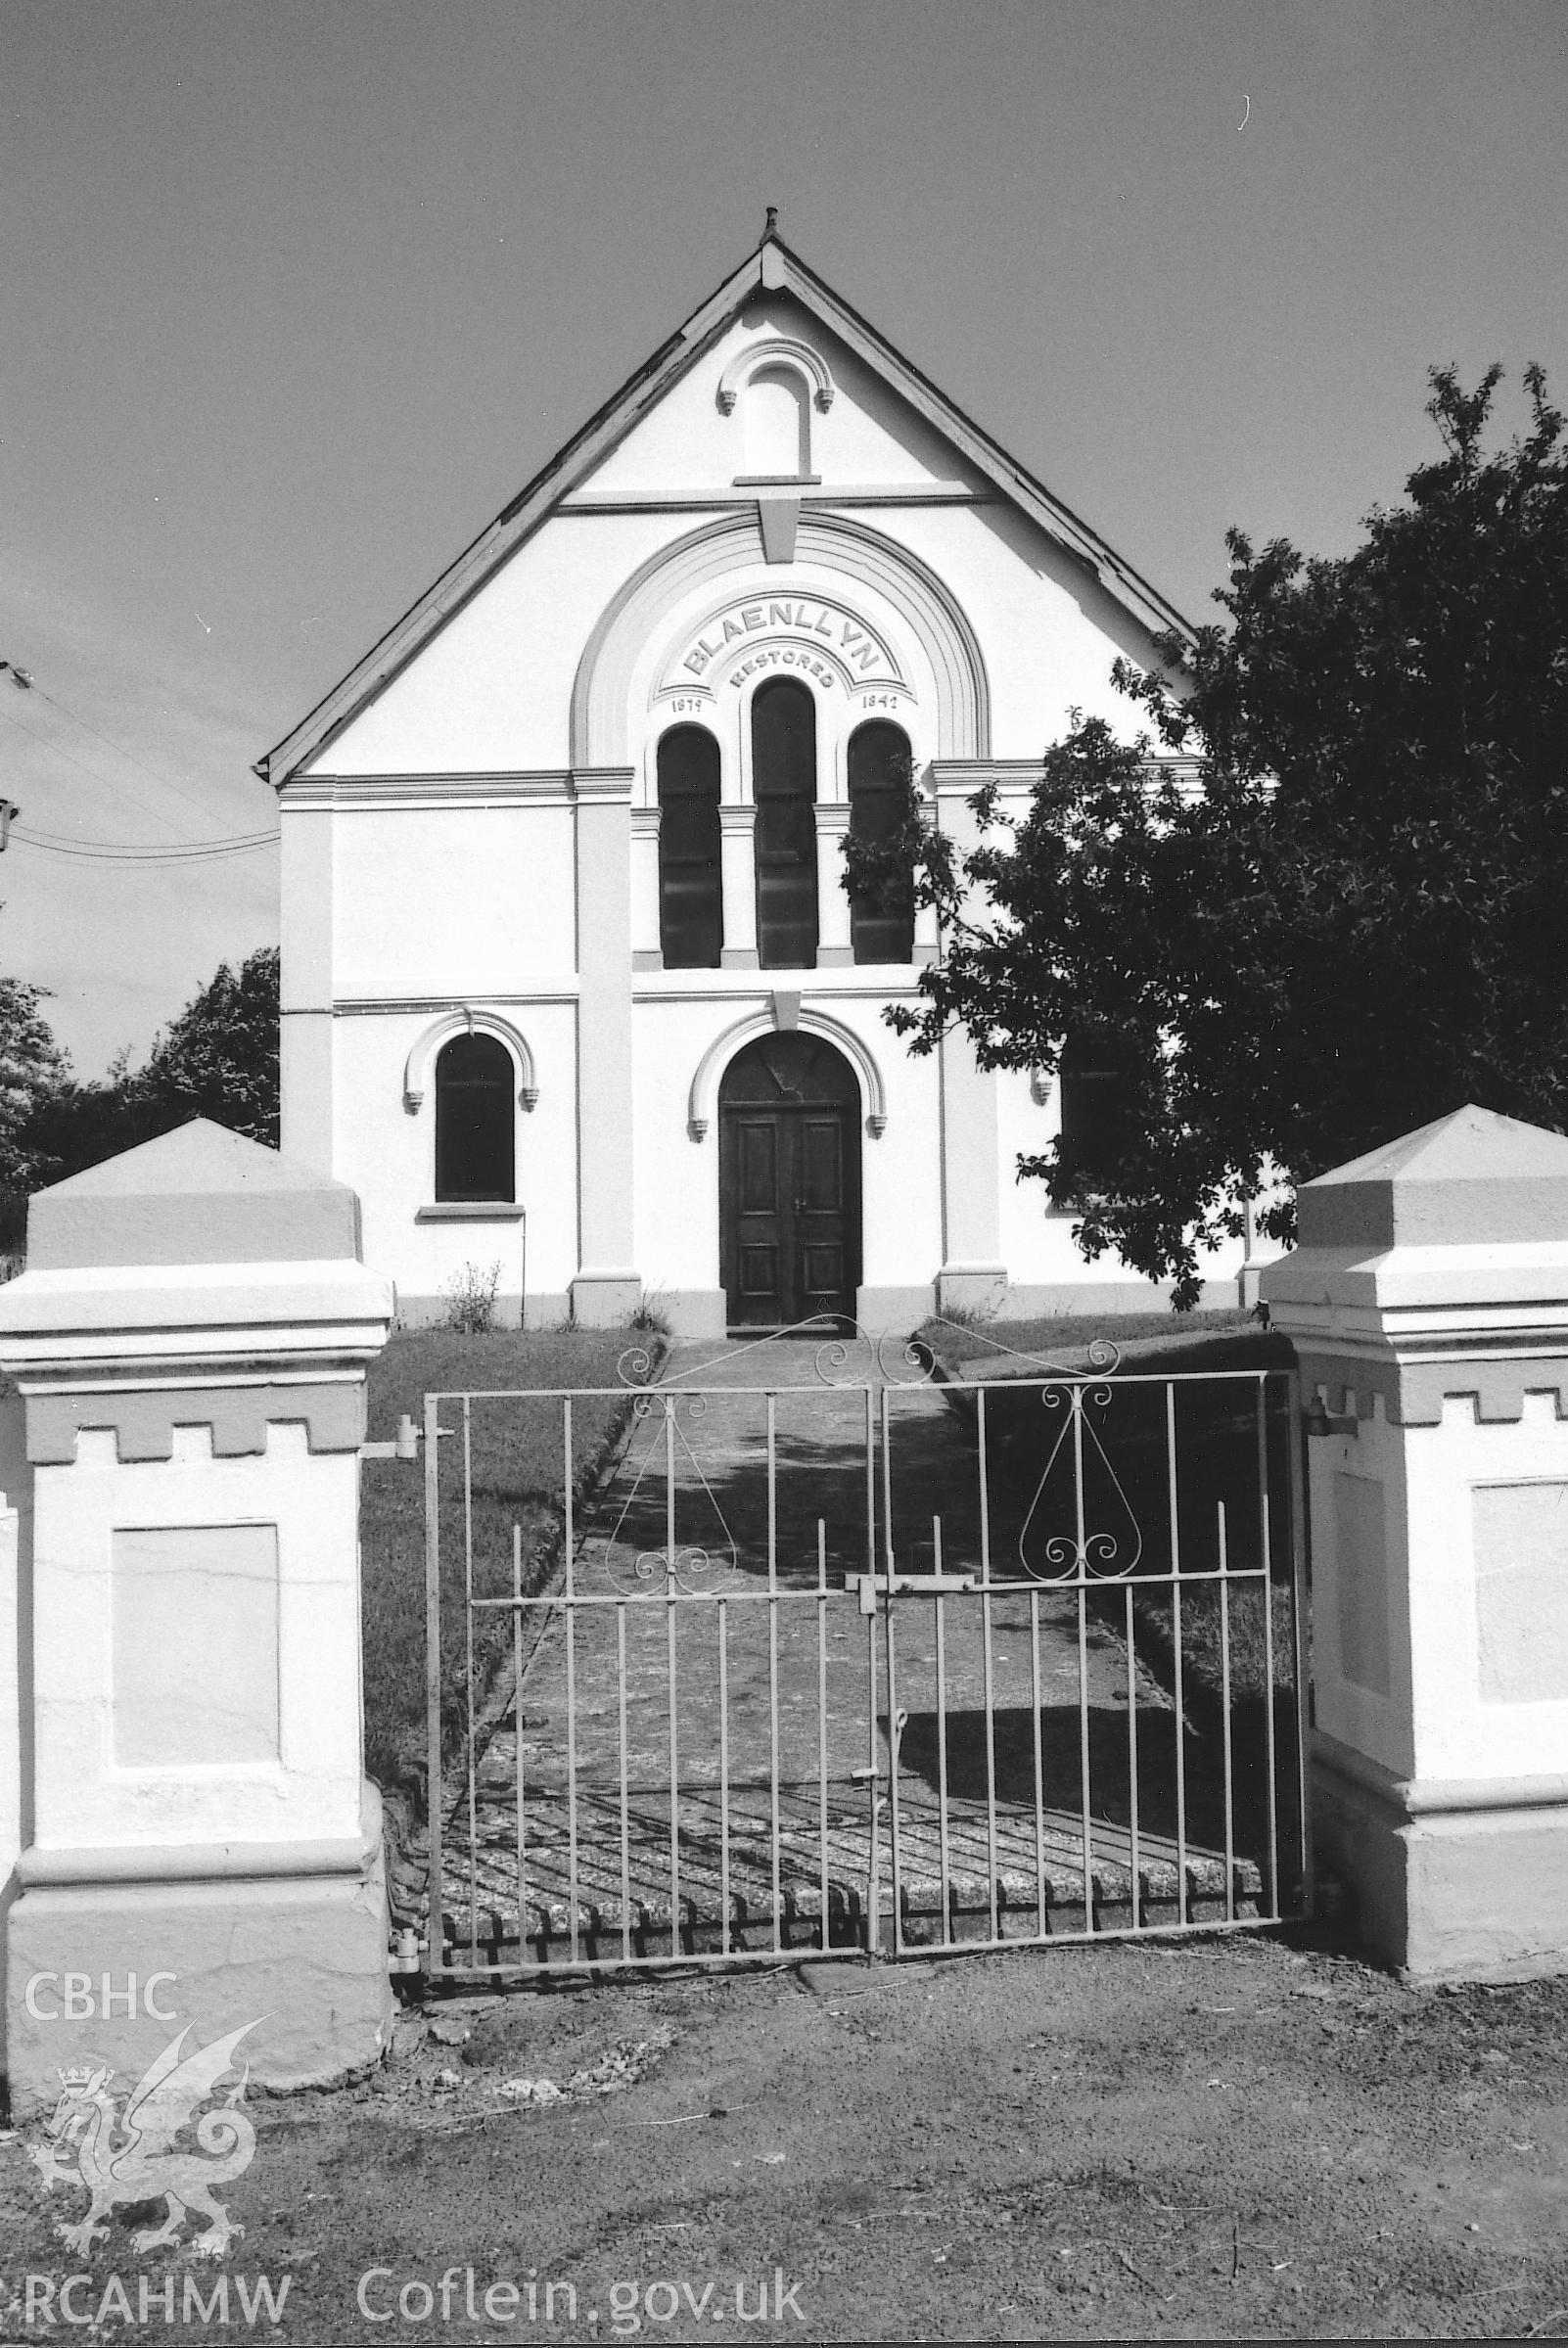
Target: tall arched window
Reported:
[(1098, 1073), (882, 928), (691, 913), (784, 782), (475, 1128)]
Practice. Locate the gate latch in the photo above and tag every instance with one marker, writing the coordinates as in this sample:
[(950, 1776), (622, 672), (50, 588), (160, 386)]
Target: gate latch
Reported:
[(895, 1585), (403, 1445)]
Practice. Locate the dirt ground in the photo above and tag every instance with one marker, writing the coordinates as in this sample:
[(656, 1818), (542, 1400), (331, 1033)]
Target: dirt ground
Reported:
[(1231, 2137)]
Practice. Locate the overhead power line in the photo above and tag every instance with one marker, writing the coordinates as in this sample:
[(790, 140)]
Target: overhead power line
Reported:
[(63, 749), (26, 682), (148, 848), (195, 855)]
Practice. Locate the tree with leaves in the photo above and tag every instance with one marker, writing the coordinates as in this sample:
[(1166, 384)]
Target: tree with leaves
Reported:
[(218, 1059), (31, 1067), (1343, 918)]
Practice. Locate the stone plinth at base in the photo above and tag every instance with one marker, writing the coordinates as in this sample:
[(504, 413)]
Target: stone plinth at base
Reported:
[(604, 1299), (1450, 1884), (298, 1947), (971, 1287)]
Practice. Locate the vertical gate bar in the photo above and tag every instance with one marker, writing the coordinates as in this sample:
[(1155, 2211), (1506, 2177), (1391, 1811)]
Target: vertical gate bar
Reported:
[(566, 1478), (670, 1485), (823, 1728), (468, 1670), (723, 1776), (436, 1926), (1135, 1855), (1075, 1398), (1264, 1530), (985, 1488), (991, 1759), (1084, 1750), (873, 1921), (870, 1482), (1298, 1628), (517, 1754), (625, 1804), (772, 1660), (1176, 1632), (674, 1774), (570, 1596), (1225, 1699), (887, 1492), (940, 1603), (895, 1856), (1039, 1763)]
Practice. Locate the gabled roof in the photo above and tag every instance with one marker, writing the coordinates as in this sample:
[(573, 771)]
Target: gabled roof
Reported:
[(772, 268)]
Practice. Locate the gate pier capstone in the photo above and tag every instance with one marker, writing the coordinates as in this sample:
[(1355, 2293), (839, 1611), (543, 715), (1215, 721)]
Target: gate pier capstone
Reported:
[(190, 1342), (1428, 1304)]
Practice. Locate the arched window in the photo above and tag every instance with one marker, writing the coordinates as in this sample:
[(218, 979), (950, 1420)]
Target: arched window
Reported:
[(1099, 1069), (882, 928), (784, 782), (475, 1128), (691, 913)]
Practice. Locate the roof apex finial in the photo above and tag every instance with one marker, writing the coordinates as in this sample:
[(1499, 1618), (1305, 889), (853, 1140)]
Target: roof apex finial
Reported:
[(771, 227)]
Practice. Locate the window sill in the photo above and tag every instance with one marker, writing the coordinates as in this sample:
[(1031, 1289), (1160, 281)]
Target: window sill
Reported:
[(470, 1211)]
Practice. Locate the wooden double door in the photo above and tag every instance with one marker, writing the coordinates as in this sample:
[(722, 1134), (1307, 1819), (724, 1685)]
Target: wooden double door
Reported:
[(789, 1176)]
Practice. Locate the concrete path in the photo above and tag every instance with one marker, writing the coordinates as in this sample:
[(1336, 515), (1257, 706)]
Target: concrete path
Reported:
[(699, 1722)]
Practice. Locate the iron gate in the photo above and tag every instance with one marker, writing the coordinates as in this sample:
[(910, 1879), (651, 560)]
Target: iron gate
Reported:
[(863, 1657)]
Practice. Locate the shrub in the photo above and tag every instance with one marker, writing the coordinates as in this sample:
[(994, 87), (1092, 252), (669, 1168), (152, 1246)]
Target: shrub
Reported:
[(470, 1297)]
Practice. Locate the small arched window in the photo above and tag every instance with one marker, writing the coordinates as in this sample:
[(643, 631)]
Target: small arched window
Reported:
[(881, 927), (784, 783), (475, 1128), (691, 915)]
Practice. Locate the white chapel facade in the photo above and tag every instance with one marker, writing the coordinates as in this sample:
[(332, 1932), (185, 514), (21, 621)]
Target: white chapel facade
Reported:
[(571, 983)]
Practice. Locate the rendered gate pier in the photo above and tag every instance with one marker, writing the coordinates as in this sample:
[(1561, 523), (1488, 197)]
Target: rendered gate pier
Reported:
[(843, 1655)]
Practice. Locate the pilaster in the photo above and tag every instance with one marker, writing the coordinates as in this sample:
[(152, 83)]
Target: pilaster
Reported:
[(738, 873), (835, 938), (647, 953), (606, 1288), (973, 1275)]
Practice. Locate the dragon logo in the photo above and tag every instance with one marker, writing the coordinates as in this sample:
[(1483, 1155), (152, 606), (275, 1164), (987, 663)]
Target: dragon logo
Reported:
[(148, 2164)]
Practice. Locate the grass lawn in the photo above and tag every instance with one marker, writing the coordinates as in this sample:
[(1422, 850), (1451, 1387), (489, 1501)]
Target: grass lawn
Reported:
[(517, 1473), (1217, 1435)]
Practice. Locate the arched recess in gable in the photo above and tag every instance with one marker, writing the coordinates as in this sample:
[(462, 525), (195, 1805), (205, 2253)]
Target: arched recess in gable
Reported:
[(464, 1022), (778, 351), (716, 1058), (601, 723)]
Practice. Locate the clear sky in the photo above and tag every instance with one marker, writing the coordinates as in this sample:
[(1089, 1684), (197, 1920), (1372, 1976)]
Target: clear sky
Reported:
[(298, 293)]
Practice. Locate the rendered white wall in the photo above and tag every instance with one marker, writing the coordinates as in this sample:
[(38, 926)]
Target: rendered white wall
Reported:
[(389, 1156), (868, 436), (452, 900)]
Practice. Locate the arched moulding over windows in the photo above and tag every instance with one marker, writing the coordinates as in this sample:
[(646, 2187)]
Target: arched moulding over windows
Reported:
[(781, 352), (465, 1022), (601, 694), (824, 638), (716, 1058)]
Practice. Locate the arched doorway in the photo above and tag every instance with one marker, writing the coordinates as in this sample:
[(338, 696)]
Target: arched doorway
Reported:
[(789, 1182)]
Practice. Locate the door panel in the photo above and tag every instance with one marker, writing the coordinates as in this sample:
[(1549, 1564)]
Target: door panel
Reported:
[(758, 1167), (789, 1208)]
